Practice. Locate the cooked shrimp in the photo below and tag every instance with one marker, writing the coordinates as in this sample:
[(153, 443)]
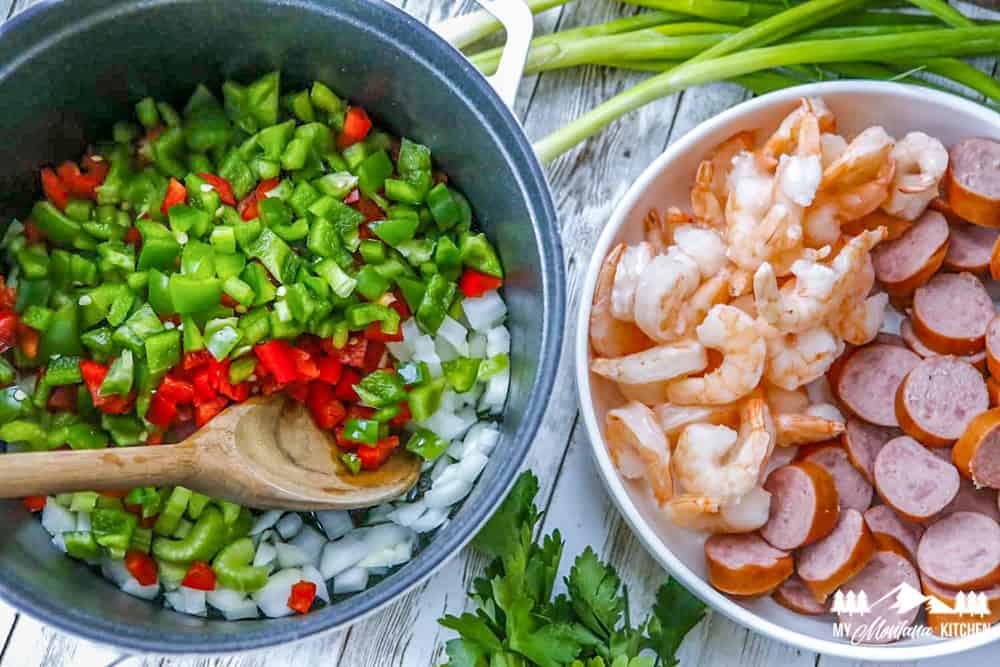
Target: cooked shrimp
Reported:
[(860, 161), (718, 462), (632, 262), (800, 429), (708, 515), (611, 337), (832, 147), (662, 290), (650, 393), (706, 204), (785, 138), (639, 448), (709, 294), (795, 359), (861, 322), (704, 246), (786, 401), (675, 418), (733, 333), (921, 162), (827, 411), (801, 302), (656, 364)]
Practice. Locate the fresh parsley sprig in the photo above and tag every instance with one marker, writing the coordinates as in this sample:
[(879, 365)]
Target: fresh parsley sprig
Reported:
[(518, 622)]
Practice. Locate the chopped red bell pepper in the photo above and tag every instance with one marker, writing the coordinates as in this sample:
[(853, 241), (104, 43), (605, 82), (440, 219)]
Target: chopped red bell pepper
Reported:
[(374, 352), (374, 333), (305, 366), (298, 391), (373, 457), (203, 389), (342, 442), (345, 388), (33, 233), (353, 197), (399, 305), (54, 189), (141, 567), (176, 390), (27, 339), (247, 208), (369, 209), (162, 410), (8, 297), (326, 410), (200, 577), (357, 124), (34, 503), (329, 370), (96, 166), (403, 418), (475, 284), (196, 359), (352, 354), (133, 237), (302, 597), (205, 412), (93, 375), (266, 186), (62, 399), (276, 357), (355, 411), (78, 184), (237, 392), (221, 186), (176, 194), (155, 438), (8, 330)]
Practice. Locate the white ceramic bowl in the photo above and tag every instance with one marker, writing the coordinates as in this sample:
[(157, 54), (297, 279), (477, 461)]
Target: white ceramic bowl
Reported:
[(857, 105)]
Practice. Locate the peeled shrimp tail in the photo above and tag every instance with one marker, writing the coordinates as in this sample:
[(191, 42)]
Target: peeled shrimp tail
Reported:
[(639, 448), (709, 515), (609, 336), (656, 364), (801, 429)]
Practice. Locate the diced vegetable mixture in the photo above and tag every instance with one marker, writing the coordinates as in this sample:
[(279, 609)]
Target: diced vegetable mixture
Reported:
[(258, 244)]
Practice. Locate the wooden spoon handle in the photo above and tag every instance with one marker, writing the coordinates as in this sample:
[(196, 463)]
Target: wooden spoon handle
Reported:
[(47, 473)]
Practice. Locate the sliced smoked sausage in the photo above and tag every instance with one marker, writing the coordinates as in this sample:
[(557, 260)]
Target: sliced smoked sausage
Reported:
[(908, 262), (970, 248), (853, 490), (943, 623), (972, 184), (804, 505), (993, 346), (745, 564), (826, 565), (951, 313), (795, 595), (913, 481), (869, 379), (977, 452), (962, 551), (863, 441), (938, 398), (978, 360), (884, 523), (887, 570), (971, 499)]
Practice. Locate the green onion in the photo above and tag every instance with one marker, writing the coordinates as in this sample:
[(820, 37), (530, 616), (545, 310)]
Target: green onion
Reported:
[(462, 31), (945, 12)]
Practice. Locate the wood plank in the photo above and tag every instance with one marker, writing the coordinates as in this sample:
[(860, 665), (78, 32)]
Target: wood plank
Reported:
[(33, 643)]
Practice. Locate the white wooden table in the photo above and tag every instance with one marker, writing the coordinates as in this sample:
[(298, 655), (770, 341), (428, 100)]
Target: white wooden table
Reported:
[(586, 184)]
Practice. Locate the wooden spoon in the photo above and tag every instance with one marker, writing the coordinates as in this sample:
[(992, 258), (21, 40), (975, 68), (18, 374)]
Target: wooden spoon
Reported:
[(265, 453)]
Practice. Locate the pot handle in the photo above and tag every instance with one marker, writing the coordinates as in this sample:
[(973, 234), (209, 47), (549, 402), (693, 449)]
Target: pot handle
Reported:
[(519, 22)]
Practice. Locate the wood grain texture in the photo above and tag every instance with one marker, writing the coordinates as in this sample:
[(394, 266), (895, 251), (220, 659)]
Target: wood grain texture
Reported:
[(586, 184)]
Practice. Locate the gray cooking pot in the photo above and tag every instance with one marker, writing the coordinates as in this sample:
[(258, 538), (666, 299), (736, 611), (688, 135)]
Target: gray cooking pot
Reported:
[(69, 70)]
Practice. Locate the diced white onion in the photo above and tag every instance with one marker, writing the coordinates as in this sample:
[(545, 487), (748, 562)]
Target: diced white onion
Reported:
[(407, 513), (400, 350), (350, 581), (440, 467), (390, 556), (496, 393), (445, 351), (115, 570), (468, 468), (380, 537), (311, 542), (290, 555), (450, 425), (342, 555), (265, 521), (188, 601), (482, 438), (424, 350), (485, 312), (83, 521), (431, 519), (477, 346), (455, 335), (273, 598), (266, 555), (289, 525), (311, 574), (57, 519), (133, 587), (268, 535), (59, 543), (497, 341), (447, 494), (378, 514), (232, 604), (335, 523)]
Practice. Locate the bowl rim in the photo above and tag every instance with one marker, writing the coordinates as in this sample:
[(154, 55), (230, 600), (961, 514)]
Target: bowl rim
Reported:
[(609, 475), (426, 47)]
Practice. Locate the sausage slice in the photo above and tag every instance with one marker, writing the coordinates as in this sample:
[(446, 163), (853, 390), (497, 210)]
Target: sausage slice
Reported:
[(962, 551), (853, 490), (971, 499), (978, 360), (938, 619), (970, 248), (795, 595), (938, 398), (993, 346), (972, 184), (863, 441), (885, 524), (993, 387), (870, 377), (977, 452), (951, 313), (803, 505), (884, 573), (826, 565), (744, 564), (908, 262), (913, 481)]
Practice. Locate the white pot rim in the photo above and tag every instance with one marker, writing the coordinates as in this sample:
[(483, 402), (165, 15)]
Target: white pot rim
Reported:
[(646, 533)]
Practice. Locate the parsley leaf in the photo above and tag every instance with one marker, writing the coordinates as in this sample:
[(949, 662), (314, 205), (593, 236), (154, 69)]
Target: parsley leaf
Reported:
[(593, 589), (675, 613), (516, 513)]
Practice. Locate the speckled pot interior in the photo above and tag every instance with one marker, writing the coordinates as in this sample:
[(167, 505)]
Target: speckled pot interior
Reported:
[(68, 70)]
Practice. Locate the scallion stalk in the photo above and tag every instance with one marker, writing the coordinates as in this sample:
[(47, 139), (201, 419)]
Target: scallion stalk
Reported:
[(967, 75), (729, 11), (918, 45), (467, 29), (945, 12)]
